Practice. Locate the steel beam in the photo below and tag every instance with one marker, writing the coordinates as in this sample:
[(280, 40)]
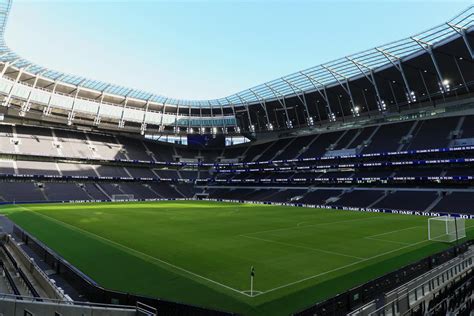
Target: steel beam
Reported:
[(346, 88), (427, 47), (370, 78), (323, 94), (462, 31), (283, 104), (263, 105), (302, 98), (399, 67)]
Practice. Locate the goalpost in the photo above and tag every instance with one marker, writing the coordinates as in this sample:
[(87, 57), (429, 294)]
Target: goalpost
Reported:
[(122, 197), (446, 228)]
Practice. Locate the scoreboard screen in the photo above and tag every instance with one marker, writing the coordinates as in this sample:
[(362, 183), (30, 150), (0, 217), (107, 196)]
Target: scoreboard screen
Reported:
[(202, 141)]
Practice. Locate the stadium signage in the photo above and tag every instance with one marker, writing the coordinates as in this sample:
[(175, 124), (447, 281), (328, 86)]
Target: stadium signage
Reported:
[(243, 164), (327, 207)]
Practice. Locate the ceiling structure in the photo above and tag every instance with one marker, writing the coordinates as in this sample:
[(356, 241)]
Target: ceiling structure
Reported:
[(360, 81)]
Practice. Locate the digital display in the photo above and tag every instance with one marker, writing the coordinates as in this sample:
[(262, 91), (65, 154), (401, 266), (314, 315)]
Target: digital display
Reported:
[(201, 141)]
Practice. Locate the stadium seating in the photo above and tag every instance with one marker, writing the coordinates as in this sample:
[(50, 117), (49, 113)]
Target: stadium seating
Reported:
[(96, 158), (20, 191), (388, 138)]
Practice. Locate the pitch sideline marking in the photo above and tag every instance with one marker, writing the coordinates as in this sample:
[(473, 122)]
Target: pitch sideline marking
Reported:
[(303, 247), (134, 251)]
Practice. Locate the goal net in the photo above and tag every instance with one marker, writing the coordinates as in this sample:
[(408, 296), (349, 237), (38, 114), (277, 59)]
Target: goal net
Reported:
[(446, 228), (122, 197)]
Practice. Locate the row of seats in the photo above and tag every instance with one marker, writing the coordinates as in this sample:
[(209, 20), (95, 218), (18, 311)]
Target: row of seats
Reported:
[(30, 191), (455, 299), (399, 199), (20, 167), (396, 136), (423, 134), (432, 133), (64, 143)]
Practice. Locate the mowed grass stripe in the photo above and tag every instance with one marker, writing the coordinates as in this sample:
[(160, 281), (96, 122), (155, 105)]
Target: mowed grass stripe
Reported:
[(205, 238), (118, 270), (132, 251)]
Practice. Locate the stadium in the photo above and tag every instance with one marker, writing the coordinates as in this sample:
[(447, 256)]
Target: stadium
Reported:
[(342, 189)]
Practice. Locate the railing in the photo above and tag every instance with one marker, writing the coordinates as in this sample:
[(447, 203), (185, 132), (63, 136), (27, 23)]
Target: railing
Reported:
[(24, 298), (358, 297), (11, 282), (410, 294), (37, 269)]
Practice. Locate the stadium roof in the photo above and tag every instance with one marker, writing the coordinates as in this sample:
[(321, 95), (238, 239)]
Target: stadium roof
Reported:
[(312, 79)]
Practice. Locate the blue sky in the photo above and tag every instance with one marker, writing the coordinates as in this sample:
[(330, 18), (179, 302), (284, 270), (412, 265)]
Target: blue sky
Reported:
[(208, 49)]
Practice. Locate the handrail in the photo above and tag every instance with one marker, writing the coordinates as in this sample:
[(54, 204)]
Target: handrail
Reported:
[(404, 289), (22, 274), (28, 283), (64, 302), (10, 280)]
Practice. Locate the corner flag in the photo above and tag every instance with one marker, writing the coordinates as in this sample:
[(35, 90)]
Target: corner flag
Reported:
[(252, 274)]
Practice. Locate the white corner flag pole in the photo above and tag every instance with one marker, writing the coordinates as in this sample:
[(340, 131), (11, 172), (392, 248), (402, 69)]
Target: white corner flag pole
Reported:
[(252, 274)]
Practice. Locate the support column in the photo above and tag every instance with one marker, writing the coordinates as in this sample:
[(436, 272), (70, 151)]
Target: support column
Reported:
[(7, 100), (121, 123), (371, 79), (302, 98), (398, 65), (282, 103), (47, 109), (162, 128), (346, 88), (462, 31), (26, 106), (264, 106), (143, 125), (427, 47), (460, 72), (246, 105), (324, 95)]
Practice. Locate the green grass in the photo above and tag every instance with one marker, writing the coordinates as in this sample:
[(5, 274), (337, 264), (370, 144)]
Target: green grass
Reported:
[(201, 252)]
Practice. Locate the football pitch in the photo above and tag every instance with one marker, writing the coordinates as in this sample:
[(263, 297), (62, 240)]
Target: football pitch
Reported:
[(201, 252)]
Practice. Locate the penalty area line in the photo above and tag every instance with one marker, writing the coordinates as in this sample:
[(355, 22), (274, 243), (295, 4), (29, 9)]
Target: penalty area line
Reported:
[(388, 241), (314, 225), (342, 267), (393, 231), (132, 251), (302, 247)]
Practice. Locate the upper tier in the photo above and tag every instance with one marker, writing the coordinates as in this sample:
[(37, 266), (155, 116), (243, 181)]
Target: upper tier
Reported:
[(381, 79)]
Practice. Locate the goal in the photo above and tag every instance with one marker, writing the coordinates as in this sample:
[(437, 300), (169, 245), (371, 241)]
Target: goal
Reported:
[(446, 228), (122, 197)]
